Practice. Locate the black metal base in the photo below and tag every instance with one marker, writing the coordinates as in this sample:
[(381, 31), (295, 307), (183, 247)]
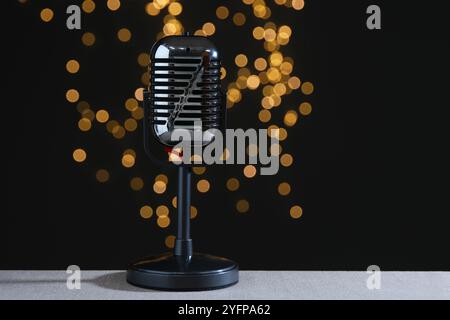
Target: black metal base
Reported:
[(169, 272)]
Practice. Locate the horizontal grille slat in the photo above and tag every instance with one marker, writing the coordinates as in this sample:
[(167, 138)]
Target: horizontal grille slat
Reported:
[(178, 60)]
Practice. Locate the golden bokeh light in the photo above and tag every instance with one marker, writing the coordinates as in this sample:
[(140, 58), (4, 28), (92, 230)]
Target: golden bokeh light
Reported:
[(286, 68), (242, 206), (274, 75), (199, 170), (162, 211), (234, 95), (146, 212), (163, 222), (268, 90), (276, 100), (131, 152), (249, 171), (160, 4), (260, 10), (131, 104), (244, 72), (209, 28), (241, 60), (139, 94), (279, 89), (223, 73), (275, 58), (82, 106), (222, 12), (285, 31), (199, 33), (79, 155), (128, 160), (111, 125), (258, 33), (124, 35), (46, 14), (271, 46), (159, 187), (294, 83), (233, 184), (118, 132), (88, 6), (296, 212), (282, 134), (88, 39), (264, 116), (72, 95), (102, 175), (298, 4), (162, 177), (102, 116), (284, 188), (270, 35), (174, 201), (239, 19), (286, 160), (72, 66), (151, 9), (305, 109), (241, 82), (145, 79), (307, 88), (267, 102), (194, 212), (253, 82), (290, 118), (130, 124), (170, 239), (84, 124), (138, 113), (143, 59), (88, 114), (260, 64), (175, 8), (203, 185), (136, 183), (170, 28), (113, 5)]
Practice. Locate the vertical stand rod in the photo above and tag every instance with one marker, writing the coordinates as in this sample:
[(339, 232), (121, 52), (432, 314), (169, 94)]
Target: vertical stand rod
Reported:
[(183, 243)]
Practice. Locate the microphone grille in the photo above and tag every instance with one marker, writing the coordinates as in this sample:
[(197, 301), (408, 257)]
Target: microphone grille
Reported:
[(184, 86)]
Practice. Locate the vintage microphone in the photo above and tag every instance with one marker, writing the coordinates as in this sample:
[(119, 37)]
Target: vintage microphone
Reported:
[(184, 89)]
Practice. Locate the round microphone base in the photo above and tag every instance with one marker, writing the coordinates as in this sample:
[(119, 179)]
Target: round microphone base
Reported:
[(175, 273)]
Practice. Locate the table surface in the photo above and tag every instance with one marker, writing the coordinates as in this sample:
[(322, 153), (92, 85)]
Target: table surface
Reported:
[(270, 285)]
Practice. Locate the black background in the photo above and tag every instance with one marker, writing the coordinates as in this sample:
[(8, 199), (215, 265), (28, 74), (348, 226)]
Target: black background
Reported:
[(370, 171)]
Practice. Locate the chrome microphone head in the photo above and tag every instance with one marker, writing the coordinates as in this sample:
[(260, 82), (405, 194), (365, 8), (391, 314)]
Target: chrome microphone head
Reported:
[(184, 89)]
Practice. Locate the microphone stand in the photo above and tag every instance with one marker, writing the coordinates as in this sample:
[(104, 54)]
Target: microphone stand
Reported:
[(183, 243)]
